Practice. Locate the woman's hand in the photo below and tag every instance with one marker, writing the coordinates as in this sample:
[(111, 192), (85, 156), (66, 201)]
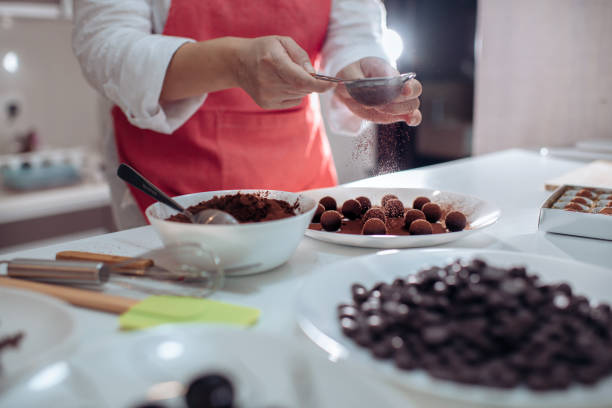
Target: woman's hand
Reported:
[(274, 71), (404, 108)]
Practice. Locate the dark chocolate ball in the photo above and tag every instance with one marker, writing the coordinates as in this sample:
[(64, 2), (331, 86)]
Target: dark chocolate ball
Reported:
[(317, 215), (386, 198), (585, 193), (329, 203), (365, 202), (210, 390), (374, 213), (394, 208), (606, 211), (351, 209), (412, 215), (455, 221), (419, 202), (331, 220), (420, 227), (574, 207), (374, 226), (432, 212)]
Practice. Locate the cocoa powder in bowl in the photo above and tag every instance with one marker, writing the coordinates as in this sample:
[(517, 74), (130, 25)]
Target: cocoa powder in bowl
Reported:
[(245, 208)]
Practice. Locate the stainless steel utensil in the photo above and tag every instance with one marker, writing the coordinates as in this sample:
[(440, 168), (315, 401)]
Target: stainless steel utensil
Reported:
[(372, 91), (210, 216)]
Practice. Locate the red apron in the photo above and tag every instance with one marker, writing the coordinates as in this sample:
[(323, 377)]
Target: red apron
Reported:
[(230, 142)]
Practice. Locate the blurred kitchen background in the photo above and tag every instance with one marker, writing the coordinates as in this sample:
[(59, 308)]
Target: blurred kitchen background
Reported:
[(496, 74)]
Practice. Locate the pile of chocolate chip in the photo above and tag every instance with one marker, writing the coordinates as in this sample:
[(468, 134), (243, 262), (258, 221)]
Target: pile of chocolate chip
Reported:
[(477, 324)]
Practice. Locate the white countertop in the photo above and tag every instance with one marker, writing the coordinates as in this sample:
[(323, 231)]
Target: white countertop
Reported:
[(512, 179)]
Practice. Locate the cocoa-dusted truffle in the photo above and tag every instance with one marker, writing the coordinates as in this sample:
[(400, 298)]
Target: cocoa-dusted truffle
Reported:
[(331, 220), (419, 202), (329, 203), (420, 227), (386, 198), (374, 213), (432, 212), (351, 209), (455, 221), (412, 215), (606, 211), (374, 226), (365, 202), (394, 208), (574, 207), (317, 215)]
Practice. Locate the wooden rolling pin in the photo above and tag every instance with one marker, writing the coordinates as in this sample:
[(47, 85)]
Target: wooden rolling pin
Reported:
[(78, 297)]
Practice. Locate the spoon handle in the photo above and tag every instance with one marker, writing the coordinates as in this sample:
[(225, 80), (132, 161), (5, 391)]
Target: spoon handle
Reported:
[(327, 78), (131, 176), (408, 76)]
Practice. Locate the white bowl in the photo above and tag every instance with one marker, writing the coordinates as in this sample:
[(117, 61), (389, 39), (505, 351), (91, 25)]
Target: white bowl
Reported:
[(259, 246)]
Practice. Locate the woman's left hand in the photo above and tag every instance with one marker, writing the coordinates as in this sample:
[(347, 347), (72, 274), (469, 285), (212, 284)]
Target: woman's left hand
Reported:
[(403, 108)]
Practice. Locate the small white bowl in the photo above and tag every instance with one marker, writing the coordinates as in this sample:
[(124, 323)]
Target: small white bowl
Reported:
[(260, 245)]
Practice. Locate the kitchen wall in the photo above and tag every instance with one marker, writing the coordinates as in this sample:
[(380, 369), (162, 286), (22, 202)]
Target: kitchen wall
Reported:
[(543, 73), (57, 101)]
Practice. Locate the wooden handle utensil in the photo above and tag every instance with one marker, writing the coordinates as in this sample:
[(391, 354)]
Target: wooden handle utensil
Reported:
[(78, 297), (129, 263)]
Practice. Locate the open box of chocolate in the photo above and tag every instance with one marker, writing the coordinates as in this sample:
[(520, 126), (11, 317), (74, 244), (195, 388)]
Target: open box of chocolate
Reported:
[(578, 210)]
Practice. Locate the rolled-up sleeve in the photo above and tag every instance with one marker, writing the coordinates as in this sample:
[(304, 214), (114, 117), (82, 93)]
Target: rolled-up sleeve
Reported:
[(126, 62)]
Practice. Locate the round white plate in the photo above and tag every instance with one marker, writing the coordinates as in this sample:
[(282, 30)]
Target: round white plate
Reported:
[(47, 324), (479, 213), (265, 370), (330, 286)]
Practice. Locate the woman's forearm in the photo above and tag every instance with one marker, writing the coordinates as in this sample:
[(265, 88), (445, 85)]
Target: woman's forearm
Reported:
[(202, 67)]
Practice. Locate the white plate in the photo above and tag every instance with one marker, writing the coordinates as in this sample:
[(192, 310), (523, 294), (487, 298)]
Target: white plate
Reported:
[(330, 286), (47, 324), (479, 213), (120, 370)]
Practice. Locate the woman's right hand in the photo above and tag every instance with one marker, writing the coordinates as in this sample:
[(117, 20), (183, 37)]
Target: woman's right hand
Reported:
[(275, 72)]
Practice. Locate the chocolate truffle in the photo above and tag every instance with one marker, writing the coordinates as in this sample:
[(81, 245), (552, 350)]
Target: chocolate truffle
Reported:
[(420, 227), (386, 198), (580, 200), (412, 215), (394, 208), (606, 211), (365, 202), (419, 202), (329, 203), (374, 226), (351, 209), (331, 220), (455, 221), (574, 207), (432, 212), (585, 193), (317, 215), (374, 213)]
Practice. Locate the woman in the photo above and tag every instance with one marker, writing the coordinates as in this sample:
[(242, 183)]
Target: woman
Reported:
[(212, 94)]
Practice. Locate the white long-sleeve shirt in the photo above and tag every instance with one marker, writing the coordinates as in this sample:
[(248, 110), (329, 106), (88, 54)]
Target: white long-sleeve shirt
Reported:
[(125, 57)]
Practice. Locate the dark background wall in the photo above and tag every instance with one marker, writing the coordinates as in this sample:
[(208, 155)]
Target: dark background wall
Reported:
[(438, 38)]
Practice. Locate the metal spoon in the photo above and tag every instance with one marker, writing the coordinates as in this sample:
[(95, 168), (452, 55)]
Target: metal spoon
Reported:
[(209, 216), (372, 91)]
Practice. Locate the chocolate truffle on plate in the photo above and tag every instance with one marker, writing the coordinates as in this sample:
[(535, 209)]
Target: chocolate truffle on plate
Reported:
[(455, 221), (420, 227), (432, 212), (585, 193), (606, 211), (412, 215), (386, 198), (374, 213), (419, 202), (575, 207), (317, 215), (331, 220), (394, 208), (374, 226), (365, 202), (329, 203), (351, 209)]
